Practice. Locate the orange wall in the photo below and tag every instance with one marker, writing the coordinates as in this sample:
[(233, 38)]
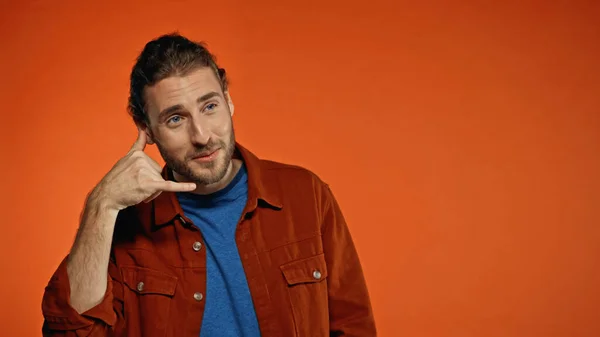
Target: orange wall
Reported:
[(462, 140)]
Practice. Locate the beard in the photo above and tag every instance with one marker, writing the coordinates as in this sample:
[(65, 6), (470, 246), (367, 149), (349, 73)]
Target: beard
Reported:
[(208, 173)]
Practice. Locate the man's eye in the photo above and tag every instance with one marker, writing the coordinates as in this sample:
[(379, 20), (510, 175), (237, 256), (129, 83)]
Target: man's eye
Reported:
[(210, 106), (174, 119)]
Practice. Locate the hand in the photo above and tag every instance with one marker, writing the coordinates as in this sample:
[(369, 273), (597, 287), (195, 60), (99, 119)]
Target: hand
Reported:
[(135, 178)]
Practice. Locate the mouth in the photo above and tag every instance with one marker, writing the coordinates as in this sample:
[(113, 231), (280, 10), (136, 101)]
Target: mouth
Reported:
[(206, 157)]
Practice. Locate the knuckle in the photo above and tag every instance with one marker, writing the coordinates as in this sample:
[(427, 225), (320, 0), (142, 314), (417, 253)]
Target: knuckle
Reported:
[(134, 154), (139, 157), (139, 163), (139, 176), (140, 190)]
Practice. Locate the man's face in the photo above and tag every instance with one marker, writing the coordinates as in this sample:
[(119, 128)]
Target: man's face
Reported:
[(190, 122)]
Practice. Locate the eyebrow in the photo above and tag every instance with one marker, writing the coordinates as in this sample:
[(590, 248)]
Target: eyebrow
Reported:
[(177, 107)]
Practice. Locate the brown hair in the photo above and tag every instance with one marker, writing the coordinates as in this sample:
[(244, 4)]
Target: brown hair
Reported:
[(167, 55)]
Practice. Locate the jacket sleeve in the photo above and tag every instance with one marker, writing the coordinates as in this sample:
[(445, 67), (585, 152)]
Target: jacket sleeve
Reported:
[(61, 319), (350, 311)]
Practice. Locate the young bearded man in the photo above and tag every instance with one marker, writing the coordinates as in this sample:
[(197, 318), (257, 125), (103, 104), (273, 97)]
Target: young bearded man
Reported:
[(217, 242)]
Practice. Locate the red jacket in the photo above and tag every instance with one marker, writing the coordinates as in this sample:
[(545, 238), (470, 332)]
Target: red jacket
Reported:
[(302, 268)]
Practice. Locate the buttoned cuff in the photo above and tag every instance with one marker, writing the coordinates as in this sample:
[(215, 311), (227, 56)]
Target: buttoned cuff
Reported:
[(60, 315)]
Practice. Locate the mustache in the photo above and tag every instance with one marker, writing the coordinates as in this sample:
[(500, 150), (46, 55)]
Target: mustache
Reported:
[(200, 151)]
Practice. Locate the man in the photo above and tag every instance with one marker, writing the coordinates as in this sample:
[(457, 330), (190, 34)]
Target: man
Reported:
[(216, 243)]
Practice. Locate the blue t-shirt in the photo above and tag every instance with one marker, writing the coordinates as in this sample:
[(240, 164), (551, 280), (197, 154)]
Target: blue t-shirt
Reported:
[(229, 310)]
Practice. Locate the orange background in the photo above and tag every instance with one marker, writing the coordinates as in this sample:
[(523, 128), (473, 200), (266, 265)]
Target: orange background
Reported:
[(461, 139)]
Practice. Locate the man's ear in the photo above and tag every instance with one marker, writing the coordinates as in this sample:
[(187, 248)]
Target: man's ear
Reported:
[(229, 102)]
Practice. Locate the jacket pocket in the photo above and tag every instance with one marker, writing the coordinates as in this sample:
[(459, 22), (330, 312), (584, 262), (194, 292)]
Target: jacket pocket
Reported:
[(307, 290), (147, 301)]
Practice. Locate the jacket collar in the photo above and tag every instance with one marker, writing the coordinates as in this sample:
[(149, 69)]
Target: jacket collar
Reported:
[(165, 208)]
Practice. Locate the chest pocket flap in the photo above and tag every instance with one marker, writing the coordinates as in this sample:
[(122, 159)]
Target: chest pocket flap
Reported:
[(309, 270), (149, 281)]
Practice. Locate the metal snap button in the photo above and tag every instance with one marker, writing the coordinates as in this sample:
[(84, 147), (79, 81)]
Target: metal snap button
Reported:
[(197, 246)]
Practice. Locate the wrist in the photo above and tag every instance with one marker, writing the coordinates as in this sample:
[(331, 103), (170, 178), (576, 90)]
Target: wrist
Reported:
[(99, 203)]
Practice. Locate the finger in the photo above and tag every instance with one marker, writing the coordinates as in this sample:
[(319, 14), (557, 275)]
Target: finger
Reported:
[(152, 197), (140, 142), (154, 165), (154, 174), (172, 186)]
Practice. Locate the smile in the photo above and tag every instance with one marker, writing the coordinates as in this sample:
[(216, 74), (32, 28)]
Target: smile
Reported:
[(207, 158)]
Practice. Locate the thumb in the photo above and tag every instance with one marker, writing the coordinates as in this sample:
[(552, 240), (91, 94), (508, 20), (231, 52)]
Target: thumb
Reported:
[(140, 142)]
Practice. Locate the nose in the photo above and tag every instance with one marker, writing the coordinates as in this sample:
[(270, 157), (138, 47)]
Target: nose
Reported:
[(199, 135)]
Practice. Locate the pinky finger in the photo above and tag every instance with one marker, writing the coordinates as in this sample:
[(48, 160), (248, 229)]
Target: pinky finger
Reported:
[(172, 186), (152, 197)]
